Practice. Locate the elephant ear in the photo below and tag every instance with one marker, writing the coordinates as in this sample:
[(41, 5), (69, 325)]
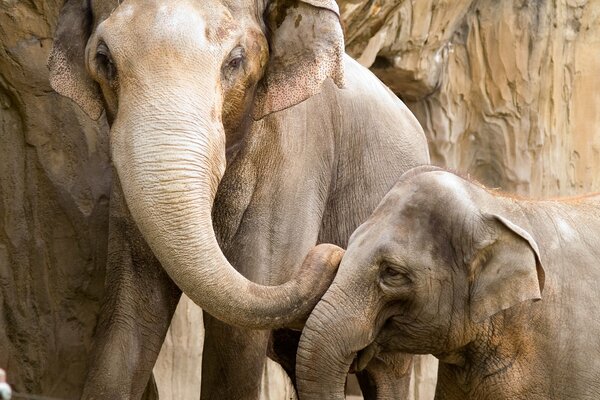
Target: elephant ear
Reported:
[(306, 46), (507, 271), (68, 74)]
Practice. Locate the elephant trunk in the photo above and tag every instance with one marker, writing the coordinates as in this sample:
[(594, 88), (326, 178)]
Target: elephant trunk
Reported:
[(335, 331), (169, 153)]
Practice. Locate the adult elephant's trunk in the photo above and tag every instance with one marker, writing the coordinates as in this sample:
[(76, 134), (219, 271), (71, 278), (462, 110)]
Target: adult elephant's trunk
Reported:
[(169, 153), (336, 330)]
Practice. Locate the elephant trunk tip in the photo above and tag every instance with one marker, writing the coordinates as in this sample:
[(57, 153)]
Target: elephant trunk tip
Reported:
[(324, 259), (315, 276)]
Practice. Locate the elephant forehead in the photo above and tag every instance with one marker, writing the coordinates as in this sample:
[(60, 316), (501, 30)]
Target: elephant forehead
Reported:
[(373, 240), (171, 20), (450, 183), (181, 22), (210, 24)]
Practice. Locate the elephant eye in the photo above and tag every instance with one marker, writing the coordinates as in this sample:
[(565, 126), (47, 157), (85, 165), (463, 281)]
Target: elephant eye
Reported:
[(395, 280), (236, 58), (105, 61), (394, 275), (235, 63)]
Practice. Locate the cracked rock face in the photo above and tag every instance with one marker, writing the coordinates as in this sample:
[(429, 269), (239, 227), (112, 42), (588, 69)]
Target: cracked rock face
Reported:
[(404, 42), (54, 183), (507, 91)]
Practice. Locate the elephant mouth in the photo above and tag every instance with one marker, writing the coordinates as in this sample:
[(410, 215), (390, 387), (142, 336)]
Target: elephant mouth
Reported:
[(364, 357)]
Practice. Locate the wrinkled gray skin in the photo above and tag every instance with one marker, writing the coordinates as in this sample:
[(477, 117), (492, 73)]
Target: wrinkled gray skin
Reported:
[(447, 267), (225, 106)]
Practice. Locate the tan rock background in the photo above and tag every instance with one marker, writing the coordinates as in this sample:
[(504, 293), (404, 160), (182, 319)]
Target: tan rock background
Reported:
[(507, 91), (54, 183)]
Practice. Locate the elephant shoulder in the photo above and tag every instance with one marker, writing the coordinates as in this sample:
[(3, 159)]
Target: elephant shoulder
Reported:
[(364, 90), (368, 107), (360, 79)]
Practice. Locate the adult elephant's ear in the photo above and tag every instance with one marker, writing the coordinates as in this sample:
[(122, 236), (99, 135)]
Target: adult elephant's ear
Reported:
[(506, 271), (68, 74), (306, 46)]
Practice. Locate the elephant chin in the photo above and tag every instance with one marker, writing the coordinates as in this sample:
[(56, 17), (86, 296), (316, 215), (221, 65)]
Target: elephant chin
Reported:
[(364, 357), (169, 172)]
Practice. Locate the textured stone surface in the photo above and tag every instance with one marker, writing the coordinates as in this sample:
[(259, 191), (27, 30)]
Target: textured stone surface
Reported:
[(507, 91), (54, 181)]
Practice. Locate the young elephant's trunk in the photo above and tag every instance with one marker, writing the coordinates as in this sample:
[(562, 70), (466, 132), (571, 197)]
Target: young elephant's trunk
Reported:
[(169, 152), (335, 331)]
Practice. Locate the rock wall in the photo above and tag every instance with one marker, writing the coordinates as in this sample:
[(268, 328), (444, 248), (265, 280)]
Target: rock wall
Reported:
[(507, 91), (54, 183)]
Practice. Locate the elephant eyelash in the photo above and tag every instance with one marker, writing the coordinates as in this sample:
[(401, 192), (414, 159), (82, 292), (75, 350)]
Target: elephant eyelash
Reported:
[(235, 63), (236, 58), (102, 53), (105, 61), (391, 272)]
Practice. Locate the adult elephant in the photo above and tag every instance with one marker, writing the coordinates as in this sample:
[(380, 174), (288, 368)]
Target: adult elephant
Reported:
[(223, 115)]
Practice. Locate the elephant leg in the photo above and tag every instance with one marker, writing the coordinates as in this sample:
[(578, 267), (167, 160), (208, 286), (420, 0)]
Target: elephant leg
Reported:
[(138, 304), (283, 346), (232, 361), (387, 377)]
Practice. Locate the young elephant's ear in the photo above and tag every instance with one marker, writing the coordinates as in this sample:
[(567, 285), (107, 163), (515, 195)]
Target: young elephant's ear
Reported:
[(507, 271), (68, 74), (306, 45)]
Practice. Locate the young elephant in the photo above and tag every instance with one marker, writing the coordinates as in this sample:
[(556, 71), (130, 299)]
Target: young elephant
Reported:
[(448, 267)]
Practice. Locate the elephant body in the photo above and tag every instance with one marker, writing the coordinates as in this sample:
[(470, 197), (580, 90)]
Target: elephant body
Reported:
[(314, 173), (241, 136), (499, 289)]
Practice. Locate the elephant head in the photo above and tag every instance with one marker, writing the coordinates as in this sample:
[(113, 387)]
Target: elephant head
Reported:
[(180, 82), (436, 259)]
